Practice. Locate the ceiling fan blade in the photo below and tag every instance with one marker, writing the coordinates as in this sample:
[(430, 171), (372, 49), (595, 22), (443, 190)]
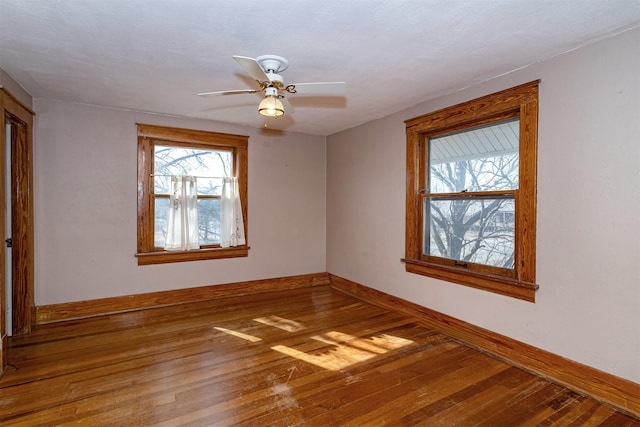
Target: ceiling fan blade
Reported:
[(288, 108), (326, 88), (228, 92), (252, 66)]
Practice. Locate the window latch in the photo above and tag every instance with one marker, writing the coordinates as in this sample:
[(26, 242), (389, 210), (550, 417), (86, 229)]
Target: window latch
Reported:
[(460, 264)]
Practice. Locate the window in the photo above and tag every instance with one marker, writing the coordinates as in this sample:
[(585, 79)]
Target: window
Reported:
[(471, 193), (209, 156)]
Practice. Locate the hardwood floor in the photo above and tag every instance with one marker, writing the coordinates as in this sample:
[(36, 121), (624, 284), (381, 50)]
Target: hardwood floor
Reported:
[(310, 356)]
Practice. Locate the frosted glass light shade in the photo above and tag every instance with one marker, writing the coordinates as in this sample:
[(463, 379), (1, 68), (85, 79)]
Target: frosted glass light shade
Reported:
[(271, 106)]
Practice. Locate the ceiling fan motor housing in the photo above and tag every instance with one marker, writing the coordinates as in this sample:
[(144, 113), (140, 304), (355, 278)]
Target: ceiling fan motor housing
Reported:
[(270, 91), (272, 63)]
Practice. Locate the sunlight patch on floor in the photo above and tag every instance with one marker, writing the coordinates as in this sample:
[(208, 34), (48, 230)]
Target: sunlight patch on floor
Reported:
[(281, 323), (347, 349), (247, 337), (342, 349)]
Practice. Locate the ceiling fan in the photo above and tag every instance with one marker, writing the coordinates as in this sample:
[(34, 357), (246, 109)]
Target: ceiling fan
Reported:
[(266, 71)]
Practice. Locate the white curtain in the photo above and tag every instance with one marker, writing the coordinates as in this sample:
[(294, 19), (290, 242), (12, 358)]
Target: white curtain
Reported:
[(182, 225), (231, 221)]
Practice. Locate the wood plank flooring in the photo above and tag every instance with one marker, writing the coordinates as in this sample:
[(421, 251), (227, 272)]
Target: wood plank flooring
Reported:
[(304, 357)]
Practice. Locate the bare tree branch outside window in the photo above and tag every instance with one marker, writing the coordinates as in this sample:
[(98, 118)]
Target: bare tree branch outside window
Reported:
[(209, 166), (465, 224)]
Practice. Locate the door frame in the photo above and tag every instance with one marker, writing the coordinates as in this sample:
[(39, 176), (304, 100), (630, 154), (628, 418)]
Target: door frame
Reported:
[(12, 110)]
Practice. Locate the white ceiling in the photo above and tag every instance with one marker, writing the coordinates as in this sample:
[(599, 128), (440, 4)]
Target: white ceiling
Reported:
[(155, 55)]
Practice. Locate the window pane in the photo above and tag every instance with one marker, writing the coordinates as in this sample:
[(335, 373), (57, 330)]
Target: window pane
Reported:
[(477, 230), (209, 221), (484, 158), (160, 221), (209, 166)]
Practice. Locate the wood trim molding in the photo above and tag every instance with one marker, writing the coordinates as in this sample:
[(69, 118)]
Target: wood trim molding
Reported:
[(22, 266), (604, 387), (499, 285), (104, 306), (16, 101), (151, 135), (519, 281), (191, 135), (150, 258)]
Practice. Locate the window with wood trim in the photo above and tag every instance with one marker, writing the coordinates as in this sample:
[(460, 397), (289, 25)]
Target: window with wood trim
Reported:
[(471, 193), (209, 156)]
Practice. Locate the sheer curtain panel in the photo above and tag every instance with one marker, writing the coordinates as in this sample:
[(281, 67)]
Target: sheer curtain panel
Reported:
[(231, 221), (182, 224)]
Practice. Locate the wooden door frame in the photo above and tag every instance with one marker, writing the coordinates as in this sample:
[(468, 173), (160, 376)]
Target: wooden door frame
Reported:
[(21, 217)]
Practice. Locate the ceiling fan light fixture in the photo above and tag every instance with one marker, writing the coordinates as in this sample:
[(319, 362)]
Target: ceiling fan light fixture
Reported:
[(271, 106), (266, 71)]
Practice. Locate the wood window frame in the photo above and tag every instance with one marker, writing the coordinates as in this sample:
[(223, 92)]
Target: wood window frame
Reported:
[(522, 102), (148, 137)]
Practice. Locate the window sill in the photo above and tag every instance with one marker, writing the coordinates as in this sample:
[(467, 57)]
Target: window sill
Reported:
[(499, 285), (163, 257)]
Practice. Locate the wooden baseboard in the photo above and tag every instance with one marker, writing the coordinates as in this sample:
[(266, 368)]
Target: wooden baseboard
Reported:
[(91, 308), (606, 388)]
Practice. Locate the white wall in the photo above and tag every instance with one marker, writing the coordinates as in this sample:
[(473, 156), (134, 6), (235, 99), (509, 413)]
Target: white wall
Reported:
[(588, 305), (85, 206)]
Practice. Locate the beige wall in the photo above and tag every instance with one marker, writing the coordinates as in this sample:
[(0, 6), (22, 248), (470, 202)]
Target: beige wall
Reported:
[(85, 206), (588, 305)]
